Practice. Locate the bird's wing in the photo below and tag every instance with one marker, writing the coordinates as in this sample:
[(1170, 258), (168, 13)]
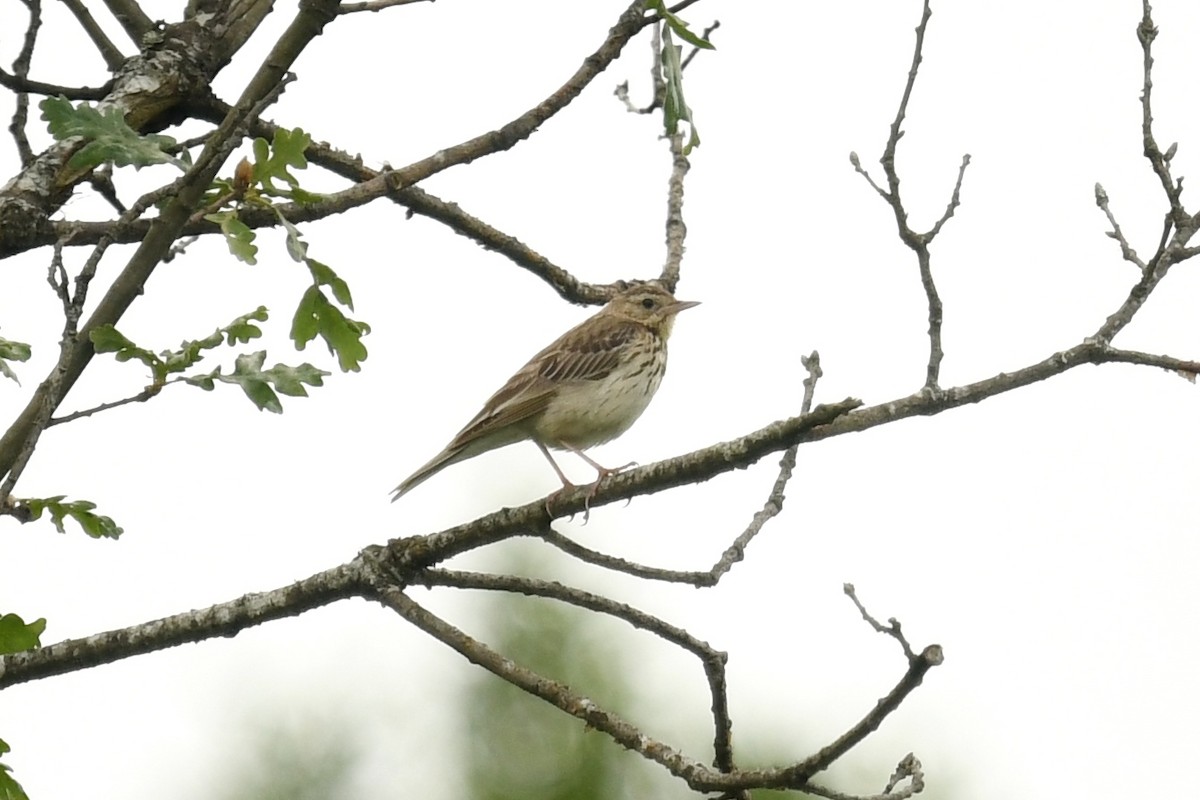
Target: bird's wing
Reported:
[(584, 353)]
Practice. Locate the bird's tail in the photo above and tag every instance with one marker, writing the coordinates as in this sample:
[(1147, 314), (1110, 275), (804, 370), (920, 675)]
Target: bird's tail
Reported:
[(436, 464)]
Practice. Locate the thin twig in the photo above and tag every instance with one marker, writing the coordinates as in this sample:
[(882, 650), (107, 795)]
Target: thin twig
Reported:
[(737, 549), (140, 397), (917, 242), (1127, 252), (676, 228), (112, 55), (130, 16), (19, 83), (892, 629), (21, 69), (1178, 225), (707, 33), (376, 5)]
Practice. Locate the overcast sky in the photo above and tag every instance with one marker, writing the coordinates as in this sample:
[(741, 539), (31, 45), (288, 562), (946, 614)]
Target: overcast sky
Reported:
[(1045, 538)]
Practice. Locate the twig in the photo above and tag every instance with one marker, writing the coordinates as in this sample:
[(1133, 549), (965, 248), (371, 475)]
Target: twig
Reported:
[(140, 397), (698, 776), (20, 83), (713, 661), (130, 16), (917, 242), (676, 228), (1178, 225), (657, 84), (707, 33), (21, 66), (1127, 252), (376, 5), (1147, 31), (112, 55), (736, 551), (892, 629)]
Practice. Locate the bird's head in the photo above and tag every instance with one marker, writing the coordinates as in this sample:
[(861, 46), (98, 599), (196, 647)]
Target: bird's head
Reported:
[(648, 304)]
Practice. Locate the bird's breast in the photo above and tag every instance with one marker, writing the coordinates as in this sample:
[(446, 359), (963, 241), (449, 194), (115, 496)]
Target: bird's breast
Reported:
[(587, 413)]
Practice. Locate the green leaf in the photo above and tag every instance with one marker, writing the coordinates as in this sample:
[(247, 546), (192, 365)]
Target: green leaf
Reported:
[(95, 525), (107, 339), (242, 329), (238, 236), (17, 635), (9, 788), (261, 385), (12, 351), (678, 25), (110, 139), (675, 108), (323, 275), (343, 336), (297, 248), (271, 161)]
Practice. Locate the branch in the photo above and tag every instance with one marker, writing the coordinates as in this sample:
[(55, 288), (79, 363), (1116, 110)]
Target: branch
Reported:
[(917, 242), (112, 55), (628, 24), (21, 65), (737, 550), (676, 228), (713, 661), (1127, 252), (1160, 164), (223, 619), (130, 16), (1178, 225), (403, 560), (20, 83), (697, 775), (376, 5)]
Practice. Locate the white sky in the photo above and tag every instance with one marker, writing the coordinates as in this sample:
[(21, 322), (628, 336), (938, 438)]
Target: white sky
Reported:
[(1045, 538)]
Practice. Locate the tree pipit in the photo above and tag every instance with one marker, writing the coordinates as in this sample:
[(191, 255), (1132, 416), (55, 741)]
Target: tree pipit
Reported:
[(586, 388)]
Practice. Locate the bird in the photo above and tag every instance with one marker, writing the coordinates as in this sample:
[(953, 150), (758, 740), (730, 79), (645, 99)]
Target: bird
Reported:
[(586, 388)]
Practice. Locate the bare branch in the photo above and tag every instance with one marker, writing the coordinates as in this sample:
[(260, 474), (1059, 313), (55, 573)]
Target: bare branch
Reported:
[(713, 661), (376, 5), (140, 397), (892, 629), (1160, 164), (1127, 252), (697, 775), (1178, 226), (223, 619), (130, 16), (657, 84), (676, 227), (112, 55), (917, 242), (21, 67)]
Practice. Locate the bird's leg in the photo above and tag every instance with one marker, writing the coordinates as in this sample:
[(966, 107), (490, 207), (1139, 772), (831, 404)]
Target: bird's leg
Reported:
[(566, 484), (602, 472)]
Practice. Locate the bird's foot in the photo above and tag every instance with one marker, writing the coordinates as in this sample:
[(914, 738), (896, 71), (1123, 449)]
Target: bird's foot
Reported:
[(554, 497), (593, 487)]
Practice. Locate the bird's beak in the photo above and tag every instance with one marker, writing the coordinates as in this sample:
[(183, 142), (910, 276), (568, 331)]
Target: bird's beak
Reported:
[(680, 305)]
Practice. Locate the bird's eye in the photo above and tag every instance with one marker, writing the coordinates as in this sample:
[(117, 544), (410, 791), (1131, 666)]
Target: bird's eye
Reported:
[(648, 303)]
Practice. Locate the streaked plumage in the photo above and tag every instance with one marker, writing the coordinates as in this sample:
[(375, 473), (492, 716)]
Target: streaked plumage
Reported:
[(586, 388)]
